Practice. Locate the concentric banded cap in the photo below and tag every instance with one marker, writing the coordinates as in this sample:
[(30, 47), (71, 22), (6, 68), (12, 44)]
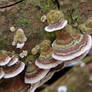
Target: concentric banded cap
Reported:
[(72, 50), (58, 25), (34, 74), (14, 70), (13, 61), (76, 60), (47, 63), (4, 60)]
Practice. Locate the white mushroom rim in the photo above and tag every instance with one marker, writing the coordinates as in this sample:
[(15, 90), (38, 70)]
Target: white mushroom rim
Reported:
[(6, 61), (13, 61), (70, 57), (37, 79), (47, 66), (73, 63), (18, 71), (56, 28)]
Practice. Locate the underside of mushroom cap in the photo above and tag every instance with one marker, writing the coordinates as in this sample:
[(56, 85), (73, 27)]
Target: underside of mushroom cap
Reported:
[(58, 25), (47, 63), (58, 68), (75, 61), (14, 70), (34, 74), (1, 73), (13, 61), (4, 60), (73, 49)]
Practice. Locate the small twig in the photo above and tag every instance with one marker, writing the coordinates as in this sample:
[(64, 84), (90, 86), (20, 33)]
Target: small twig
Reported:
[(11, 4)]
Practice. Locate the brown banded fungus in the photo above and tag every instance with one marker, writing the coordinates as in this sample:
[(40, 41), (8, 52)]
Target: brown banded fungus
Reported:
[(86, 28), (4, 58), (69, 43), (45, 60), (14, 70), (41, 82), (10, 64), (34, 74), (13, 61)]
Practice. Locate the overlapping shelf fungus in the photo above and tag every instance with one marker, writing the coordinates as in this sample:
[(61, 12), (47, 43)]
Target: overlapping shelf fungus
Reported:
[(69, 48), (70, 45), (10, 66)]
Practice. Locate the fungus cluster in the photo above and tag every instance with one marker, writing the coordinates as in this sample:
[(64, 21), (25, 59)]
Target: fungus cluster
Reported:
[(10, 66), (68, 49), (70, 45)]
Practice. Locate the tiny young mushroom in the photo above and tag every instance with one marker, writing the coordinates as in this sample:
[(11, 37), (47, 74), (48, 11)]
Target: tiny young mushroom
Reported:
[(34, 74), (23, 54), (45, 60), (69, 43), (12, 29), (13, 70), (19, 39)]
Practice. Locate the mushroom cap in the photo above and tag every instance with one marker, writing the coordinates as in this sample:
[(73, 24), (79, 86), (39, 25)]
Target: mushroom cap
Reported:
[(76, 60), (4, 60), (73, 49), (34, 74), (14, 70), (13, 61), (42, 81), (57, 25), (47, 63), (1, 73)]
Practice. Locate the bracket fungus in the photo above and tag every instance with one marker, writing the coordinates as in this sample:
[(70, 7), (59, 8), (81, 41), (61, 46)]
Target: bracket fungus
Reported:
[(34, 74), (45, 60), (19, 39), (10, 66), (14, 70), (41, 82), (13, 61), (56, 21), (4, 58), (86, 28), (69, 43)]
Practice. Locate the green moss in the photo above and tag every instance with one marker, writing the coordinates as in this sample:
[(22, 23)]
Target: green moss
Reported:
[(47, 5), (3, 43), (23, 22)]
